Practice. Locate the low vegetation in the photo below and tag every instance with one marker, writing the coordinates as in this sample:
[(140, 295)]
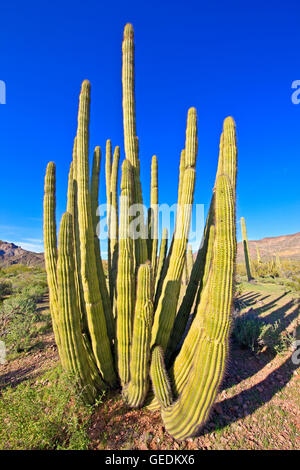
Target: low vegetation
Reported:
[(44, 414), (21, 321), (249, 410)]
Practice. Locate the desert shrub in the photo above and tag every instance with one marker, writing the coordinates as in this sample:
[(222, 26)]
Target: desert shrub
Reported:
[(265, 269), (294, 283), (246, 331), (46, 414), (35, 291), (255, 333), (15, 269), (17, 322), (5, 288), (19, 317)]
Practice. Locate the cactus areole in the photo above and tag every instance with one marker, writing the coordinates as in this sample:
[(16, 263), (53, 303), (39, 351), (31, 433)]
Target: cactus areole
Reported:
[(130, 329)]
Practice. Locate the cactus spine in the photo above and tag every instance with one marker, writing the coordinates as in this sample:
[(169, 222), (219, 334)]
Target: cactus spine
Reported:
[(246, 249)]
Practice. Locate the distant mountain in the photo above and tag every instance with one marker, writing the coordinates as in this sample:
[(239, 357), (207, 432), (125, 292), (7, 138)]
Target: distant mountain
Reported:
[(286, 246), (13, 254)]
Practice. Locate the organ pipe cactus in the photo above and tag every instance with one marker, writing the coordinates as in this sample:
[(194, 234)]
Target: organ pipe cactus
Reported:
[(246, 249), (114, 223), (140, 352), (76, 357), (130, 138), (130, 331), (125, 277)]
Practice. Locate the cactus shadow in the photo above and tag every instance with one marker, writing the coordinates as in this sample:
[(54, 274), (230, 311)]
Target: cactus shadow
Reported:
[(13, 378), (232, 409)]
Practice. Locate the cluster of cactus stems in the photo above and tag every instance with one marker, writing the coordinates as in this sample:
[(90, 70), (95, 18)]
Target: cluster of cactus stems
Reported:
[(132, 330), (246, 249)]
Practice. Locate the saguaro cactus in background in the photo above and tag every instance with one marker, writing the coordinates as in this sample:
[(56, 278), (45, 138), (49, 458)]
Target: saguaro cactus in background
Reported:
[(130, 331), (258, 255), (246, 249)]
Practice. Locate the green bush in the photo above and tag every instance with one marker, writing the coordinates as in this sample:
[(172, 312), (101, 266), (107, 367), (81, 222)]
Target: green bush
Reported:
[(47, 414), (294, 283), (18, 318), (15, 269), (35, 291), (5, 288), (255, 333)]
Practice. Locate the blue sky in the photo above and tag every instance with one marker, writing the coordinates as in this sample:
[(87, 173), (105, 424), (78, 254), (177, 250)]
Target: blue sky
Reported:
[(225, 58)]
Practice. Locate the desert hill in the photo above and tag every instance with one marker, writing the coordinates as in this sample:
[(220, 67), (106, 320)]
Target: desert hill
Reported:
[(13, 254), (286, 246)]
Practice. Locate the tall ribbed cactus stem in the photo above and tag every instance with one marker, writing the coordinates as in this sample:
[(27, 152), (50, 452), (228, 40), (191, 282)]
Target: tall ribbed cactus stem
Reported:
[(130, 137), (200, 365), (140, 351), (161, 258), (110, 324), (246, 249), (154, 207), (108, 202), (189, 261), (258, 255), (75, 356), (125, 278), (227, 164), (93, 302), (166, 309), (160, 381), (114, 223), (50, 243)]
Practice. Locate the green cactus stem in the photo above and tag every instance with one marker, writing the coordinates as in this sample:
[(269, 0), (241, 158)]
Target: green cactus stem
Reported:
[(160, 381), (130, 138), (140, 351), (114, 223), (200, 365), (50, 243), (154, 206), (75, 356), (246, 249), (161, 258), (125, 278), (93, 302), (110, 324), (166, 309)]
